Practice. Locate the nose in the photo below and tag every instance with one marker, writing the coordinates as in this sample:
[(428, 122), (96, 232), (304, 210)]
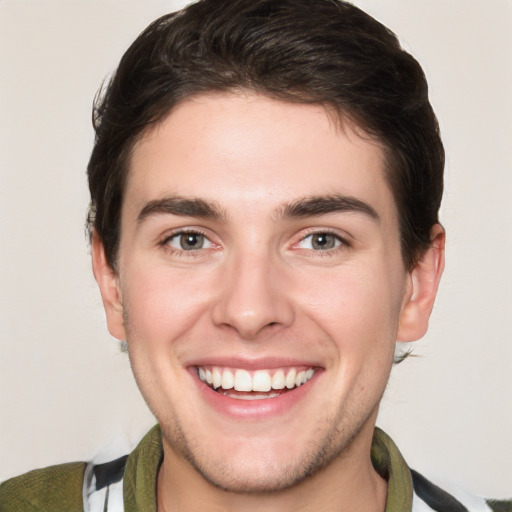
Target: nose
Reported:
[(252, 298)]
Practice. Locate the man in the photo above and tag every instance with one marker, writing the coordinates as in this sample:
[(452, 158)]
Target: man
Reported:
[(265, 186)]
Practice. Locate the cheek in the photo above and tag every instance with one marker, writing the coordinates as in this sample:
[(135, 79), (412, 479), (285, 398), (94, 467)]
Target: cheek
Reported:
[(357, 309), (162, 304)]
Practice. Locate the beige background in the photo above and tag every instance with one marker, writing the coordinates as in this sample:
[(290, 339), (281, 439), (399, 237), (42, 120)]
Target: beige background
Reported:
[(66, 392)]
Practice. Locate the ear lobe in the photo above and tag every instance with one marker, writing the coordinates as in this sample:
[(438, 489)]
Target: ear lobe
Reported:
[(108, 283), (423, 284)]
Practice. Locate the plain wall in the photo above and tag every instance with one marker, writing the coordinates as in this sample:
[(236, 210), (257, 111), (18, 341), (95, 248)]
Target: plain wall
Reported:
[(66, 390)]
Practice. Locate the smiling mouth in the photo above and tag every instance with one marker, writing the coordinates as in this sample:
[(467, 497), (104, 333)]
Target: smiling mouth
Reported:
[(257, 385)]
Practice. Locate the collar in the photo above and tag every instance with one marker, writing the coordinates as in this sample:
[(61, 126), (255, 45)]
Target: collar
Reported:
[(389, 463)]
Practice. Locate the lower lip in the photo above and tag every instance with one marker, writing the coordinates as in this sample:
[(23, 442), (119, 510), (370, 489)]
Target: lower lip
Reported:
[(255, 409)]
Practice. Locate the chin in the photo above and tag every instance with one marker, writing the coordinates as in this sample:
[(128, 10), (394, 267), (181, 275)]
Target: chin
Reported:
[(261, 467), (256, 477)]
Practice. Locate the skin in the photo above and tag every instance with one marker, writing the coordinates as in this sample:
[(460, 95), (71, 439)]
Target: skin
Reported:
[(262, 288)]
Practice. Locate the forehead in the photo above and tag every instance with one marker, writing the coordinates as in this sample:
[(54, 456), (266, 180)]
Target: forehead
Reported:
[(248, 150)]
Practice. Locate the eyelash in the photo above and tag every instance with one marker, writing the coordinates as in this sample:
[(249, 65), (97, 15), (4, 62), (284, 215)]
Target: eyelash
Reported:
[(342, 243), (183, 252)]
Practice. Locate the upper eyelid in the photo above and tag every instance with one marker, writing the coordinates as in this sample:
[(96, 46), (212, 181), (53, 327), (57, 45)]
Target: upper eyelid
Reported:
[(342, 242), (343, 236), (184, 230), (164, 243)]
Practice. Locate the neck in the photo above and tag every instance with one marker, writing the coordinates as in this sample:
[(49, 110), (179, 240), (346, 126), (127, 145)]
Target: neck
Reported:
[(349, 483)]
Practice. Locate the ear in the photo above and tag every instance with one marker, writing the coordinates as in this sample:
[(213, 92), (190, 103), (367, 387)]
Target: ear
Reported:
[(422, 289), (108, 281)]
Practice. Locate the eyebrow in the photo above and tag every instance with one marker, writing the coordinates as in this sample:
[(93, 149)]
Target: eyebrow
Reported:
[(311, 206), (323, 205), (181, 206)]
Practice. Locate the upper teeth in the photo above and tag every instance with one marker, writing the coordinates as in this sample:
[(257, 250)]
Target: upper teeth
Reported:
[(260, 380)]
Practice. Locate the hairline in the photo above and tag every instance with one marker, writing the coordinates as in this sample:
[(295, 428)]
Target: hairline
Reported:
[(341, 118)]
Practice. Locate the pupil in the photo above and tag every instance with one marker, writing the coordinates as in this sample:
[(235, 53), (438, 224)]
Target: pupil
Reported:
[(191, 241)]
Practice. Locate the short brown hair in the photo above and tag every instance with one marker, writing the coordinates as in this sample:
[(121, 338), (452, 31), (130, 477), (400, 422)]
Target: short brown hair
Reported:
[(325, 52)]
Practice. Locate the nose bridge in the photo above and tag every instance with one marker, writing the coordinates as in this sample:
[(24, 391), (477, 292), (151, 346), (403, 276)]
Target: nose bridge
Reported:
[(251, 296)]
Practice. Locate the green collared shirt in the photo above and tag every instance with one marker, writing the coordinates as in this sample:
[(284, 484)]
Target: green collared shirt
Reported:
[(60, 488), (142, 468)]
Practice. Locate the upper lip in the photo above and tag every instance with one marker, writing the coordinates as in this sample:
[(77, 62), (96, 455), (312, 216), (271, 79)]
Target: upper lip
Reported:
[(262, 363)]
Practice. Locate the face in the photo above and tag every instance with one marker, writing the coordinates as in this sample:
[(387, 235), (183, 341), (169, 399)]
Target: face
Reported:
[(260, 287)]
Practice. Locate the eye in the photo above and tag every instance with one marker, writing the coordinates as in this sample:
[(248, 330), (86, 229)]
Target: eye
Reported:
[(188, 241), (320, 242)]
